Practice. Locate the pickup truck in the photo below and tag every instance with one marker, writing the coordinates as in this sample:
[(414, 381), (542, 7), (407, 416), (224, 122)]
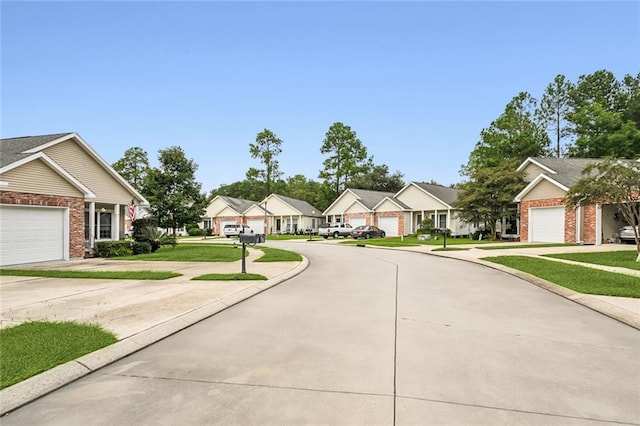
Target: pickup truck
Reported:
[(334, 230)]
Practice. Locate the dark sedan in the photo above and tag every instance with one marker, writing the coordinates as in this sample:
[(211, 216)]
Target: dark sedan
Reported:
[(367, 232)]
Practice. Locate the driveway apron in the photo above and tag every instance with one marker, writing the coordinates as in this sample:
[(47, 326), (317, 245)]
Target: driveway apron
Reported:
[(369, 336)]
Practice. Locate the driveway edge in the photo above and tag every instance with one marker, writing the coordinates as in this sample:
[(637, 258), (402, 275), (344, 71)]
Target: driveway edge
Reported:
[(48, 381)]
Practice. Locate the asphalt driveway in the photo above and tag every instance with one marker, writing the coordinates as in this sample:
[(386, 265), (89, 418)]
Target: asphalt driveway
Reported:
[(373, 337)]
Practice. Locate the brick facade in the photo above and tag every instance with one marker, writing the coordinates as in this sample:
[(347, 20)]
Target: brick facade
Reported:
[(399, 215), (588, 220), (76, 214)]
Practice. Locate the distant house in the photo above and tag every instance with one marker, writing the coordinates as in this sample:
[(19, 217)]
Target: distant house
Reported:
[(544, 216), (58, 197), (400, 213), (281, 214)]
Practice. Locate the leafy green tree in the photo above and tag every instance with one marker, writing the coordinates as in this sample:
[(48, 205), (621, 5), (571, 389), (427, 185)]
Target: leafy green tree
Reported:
[(611, 182), (318, 194), (378, 179), (133, 167), (172, 191), (488, 195), (605, 116), (266, 148), (514, 135), (553, 110), (347, 157)]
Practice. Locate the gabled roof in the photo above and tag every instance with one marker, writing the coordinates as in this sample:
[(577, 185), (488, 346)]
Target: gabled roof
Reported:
[(535, 182), (237, 204), (301, 206), (368, 199), (21, 150), (443, 194), (565, 171), (393, 200)]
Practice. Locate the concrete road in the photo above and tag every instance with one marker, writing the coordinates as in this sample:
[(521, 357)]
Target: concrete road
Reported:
[(369, 336)]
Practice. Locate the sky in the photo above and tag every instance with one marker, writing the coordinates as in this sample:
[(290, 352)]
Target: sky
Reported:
[(417, 81)]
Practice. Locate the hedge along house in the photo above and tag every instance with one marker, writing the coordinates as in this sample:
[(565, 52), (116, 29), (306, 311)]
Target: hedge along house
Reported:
[(58, 197), (224, 210), (543, 214), (286, 215)]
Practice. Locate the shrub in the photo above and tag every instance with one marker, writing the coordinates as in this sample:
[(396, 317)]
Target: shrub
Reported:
[(138, 225), (156, 238), (209, 232), (426, 227), (484, 232), (195, 232), (141, 247), (113, 248)]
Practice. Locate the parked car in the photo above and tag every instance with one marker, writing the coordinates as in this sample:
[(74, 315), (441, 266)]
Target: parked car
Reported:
[(367, 231), (626, 234), (334, 230), (234, 230)]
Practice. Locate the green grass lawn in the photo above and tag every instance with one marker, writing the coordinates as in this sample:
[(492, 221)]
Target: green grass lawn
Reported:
[(413, 241), (277, 255), (109, 275), (33, 347), (579, 278), (622, 259), (507, 246), (186, 252), (230, 277)]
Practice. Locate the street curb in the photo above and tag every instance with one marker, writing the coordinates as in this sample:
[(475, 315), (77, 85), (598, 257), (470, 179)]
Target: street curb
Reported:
[(29, 390), (614, 312)]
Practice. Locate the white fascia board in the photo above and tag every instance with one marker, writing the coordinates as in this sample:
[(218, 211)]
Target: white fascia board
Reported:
[(357, 201), (534, 183), (56, 167), (530, 160), (324, 213), (393, 201), (94, 154)]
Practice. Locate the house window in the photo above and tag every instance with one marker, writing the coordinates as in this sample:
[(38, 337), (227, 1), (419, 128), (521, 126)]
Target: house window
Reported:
[(102, 228), (441, 222)]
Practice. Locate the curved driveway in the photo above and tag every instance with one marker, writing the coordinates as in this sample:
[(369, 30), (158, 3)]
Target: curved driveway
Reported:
[(370, 336)]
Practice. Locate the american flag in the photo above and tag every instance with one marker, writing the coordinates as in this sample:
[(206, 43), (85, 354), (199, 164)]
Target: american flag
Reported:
[(131, 209)]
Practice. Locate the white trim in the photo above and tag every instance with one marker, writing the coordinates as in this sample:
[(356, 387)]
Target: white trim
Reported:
[(423, 190), (325, 212), (534, 183), (532, 161), (402, 209), (598, 224), (94, 154), (55, 167)]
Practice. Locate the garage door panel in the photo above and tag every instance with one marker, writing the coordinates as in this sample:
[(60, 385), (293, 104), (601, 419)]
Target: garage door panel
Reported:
[(547, 225), (357, 221), (31, 234), (256, 225), (389, 225)]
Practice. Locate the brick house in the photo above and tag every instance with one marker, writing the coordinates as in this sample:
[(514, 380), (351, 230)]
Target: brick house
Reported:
[(400, 213), (543, 214), (58, 197)]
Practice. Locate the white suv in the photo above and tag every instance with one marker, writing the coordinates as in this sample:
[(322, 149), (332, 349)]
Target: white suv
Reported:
[(234, 230)]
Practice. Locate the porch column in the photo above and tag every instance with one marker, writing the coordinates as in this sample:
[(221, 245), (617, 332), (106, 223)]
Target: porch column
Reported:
[(449, 220), (578, 224), (116, 229), (598, 224), (436, 220), (92, 224)]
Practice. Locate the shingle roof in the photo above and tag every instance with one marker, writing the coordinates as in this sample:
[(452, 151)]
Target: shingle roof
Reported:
[(13, 149), (568, 171), (370, 198), (238, 204), (302, 206), (443, 193)]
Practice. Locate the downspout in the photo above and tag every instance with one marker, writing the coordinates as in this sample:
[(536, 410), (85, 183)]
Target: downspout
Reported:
[(598, 224)]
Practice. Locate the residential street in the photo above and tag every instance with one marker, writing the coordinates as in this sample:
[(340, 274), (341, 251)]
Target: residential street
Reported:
[(369, 336)]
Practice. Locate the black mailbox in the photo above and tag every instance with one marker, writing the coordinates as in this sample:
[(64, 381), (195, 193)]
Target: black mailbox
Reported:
[(251, 238)]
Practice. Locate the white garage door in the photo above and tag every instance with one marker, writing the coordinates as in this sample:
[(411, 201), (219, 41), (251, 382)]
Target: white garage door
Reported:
[(32, 234), (357, 221), (546, 225), (223, 223), (256, 225), (389, 225)]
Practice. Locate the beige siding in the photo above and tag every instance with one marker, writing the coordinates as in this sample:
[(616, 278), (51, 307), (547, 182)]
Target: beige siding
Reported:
[(215, 208), (544, 189), (532, 171), (227, 212), (387, 206), (74, 159), (343, 202), (254, 211), (419, 200), (278, 208), (37, 177), (356, 208)]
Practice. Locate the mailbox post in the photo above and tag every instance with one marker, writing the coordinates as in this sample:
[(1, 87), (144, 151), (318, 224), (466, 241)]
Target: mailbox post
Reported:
[(249, 239)]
